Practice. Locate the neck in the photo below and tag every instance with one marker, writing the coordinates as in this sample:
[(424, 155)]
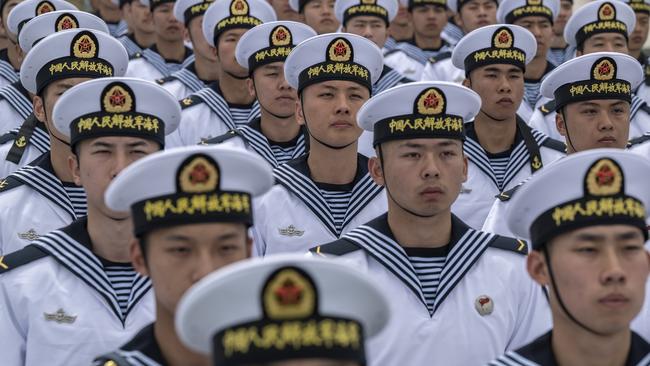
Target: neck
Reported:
[(428, 42), (171, 50), (14, 56), (59, 153), (400, 32), (206, 70), (234, 90), (174, 352), (419, 232), (332, 166), (111, 238), (495, 136), (635, 53), (535, 69), (278, 129), (144, 40), (558, 42), (575, 346)]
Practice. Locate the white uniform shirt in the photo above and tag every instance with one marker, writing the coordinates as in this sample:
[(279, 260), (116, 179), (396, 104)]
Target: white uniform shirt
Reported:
[(8, 75), (409, 60), (23, 145), (442, 70), (514, 310), (183, 82), (293, 216), (62, 310), (150, 65), (34, 202), (15, 106), (478, 193), (132, 48)]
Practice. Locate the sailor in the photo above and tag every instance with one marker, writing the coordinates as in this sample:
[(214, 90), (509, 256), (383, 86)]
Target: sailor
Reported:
[(587, 119), (276, 135), (110, 13), (204, 68), (168, 53), (191, 208), (227, 103), (537, 16), (328, 191), (560, 50), (469, 15), (28, 138), (429, 17), (447, 280), (501, 148), (318, 14), (325, 310), (586, 218), (400, 29), (42, 195), (284, 11), (638, 38), (140, 34), (73, 293), (599, 26)]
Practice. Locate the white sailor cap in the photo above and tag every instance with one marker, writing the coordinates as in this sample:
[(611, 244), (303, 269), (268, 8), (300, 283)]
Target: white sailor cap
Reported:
[(190, 185), (510, 11), (410, 4), (599, 16), (455, 5), (321, 308), (639, 6), (116, 106), (334, 56), (426, 109), (72, 53), (593, 187), (44, 25), (186, 10), (599, 75), (270, 42), (495, 44), (228, 14), (344, 10), (28, 9), (152, 4)]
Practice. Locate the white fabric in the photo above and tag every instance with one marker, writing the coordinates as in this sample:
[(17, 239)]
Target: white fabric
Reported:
[(198, 123), (443, 70), (142, 69), (7, 167), (9, 117), (177, 89), (404, 64)]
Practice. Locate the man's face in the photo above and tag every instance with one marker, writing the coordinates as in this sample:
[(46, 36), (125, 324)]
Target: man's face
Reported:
[(542, 29), (600, 273), (428, 20), (141, 17), (100, 159), (566, 9), (319, 14), (329, 109), (501, 88), (370, 27), (9, 5), (604, 42), (284, 11), (475, 14), (166, 25), (179, 256), (272, 91), (640, 34), (402, 17), (43, 108), (227, 42), (595, 124), (422, 175), (199, 43)]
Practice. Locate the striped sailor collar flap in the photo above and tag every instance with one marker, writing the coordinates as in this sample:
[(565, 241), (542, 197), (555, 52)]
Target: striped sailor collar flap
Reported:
[(213, 98), (252, 133), (465, 247), (72, 248)]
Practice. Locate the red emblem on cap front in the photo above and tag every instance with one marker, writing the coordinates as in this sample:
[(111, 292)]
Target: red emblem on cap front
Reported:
[(340, 49), (289, 293), (431, 101), (199, 174), (605, 176), (117, 99), (66, 24)]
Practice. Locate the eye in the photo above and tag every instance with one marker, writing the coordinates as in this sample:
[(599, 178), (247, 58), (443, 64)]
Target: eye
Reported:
[(325, 95), (586, 250), (589, 111), (449, 153), (356, 97), (411, 155)]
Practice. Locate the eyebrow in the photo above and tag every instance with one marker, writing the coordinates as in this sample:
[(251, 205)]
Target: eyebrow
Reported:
[(110, 145), (627, 235), (442, 143)]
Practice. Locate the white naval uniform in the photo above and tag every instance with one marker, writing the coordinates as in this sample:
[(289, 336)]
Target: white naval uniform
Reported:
[(641, 324), (251, 138), (559, 55), (183, 82), (643, 90), (150, 65), (454, 333), (533, 97), (15, 106), (478, 193), (23, 145), (441, 68), (543, 119), (142, 350), (70, 280), (8, 75), (33, 202), (132, 47), (206, 114), (294, 217), (409, 59)]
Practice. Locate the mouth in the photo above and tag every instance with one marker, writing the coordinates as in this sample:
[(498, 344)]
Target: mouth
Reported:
[(615, 300), (285, 98), (505, 102), (341, 124), (431, 193), (607, 140)]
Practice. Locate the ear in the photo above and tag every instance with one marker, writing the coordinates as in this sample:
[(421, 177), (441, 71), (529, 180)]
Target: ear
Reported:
[(39, 108), (73, 166), (137, 257), (465, 167), (559, 124), (375, 170), (467, 83), (537, 268), (251, 87), (300, 117), (215, 52)]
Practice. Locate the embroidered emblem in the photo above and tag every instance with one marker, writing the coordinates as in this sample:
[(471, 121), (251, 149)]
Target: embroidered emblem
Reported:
[(484, 305), (536, 164), (534, 2), (30, 235), (44, 7), (340, 51), (3, 183), (503, 38), (110, 363), (187, 101), (239, 7), (2, 265), (291, 231), (604, 70), (21, 141), (66, 21), (199, 175), (60, 317), (281, 36), (289, 294), (431, 102), (606, 12), (604, 179), (85, 46), (117, 100)]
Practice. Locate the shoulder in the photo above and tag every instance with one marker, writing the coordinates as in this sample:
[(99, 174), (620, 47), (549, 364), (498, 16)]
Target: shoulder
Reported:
[(554, 144), (225, 137), (440, 57), (21, 257), (510, 244), (336, 248), (547, 108), (190, 101)]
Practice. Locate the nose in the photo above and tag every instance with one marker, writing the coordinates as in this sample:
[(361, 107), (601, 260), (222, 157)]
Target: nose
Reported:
[(504, 85), (613, 272), (204, 266), (342, 104), (367, 32), (121, 162), (430, 167), (605, 122)]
